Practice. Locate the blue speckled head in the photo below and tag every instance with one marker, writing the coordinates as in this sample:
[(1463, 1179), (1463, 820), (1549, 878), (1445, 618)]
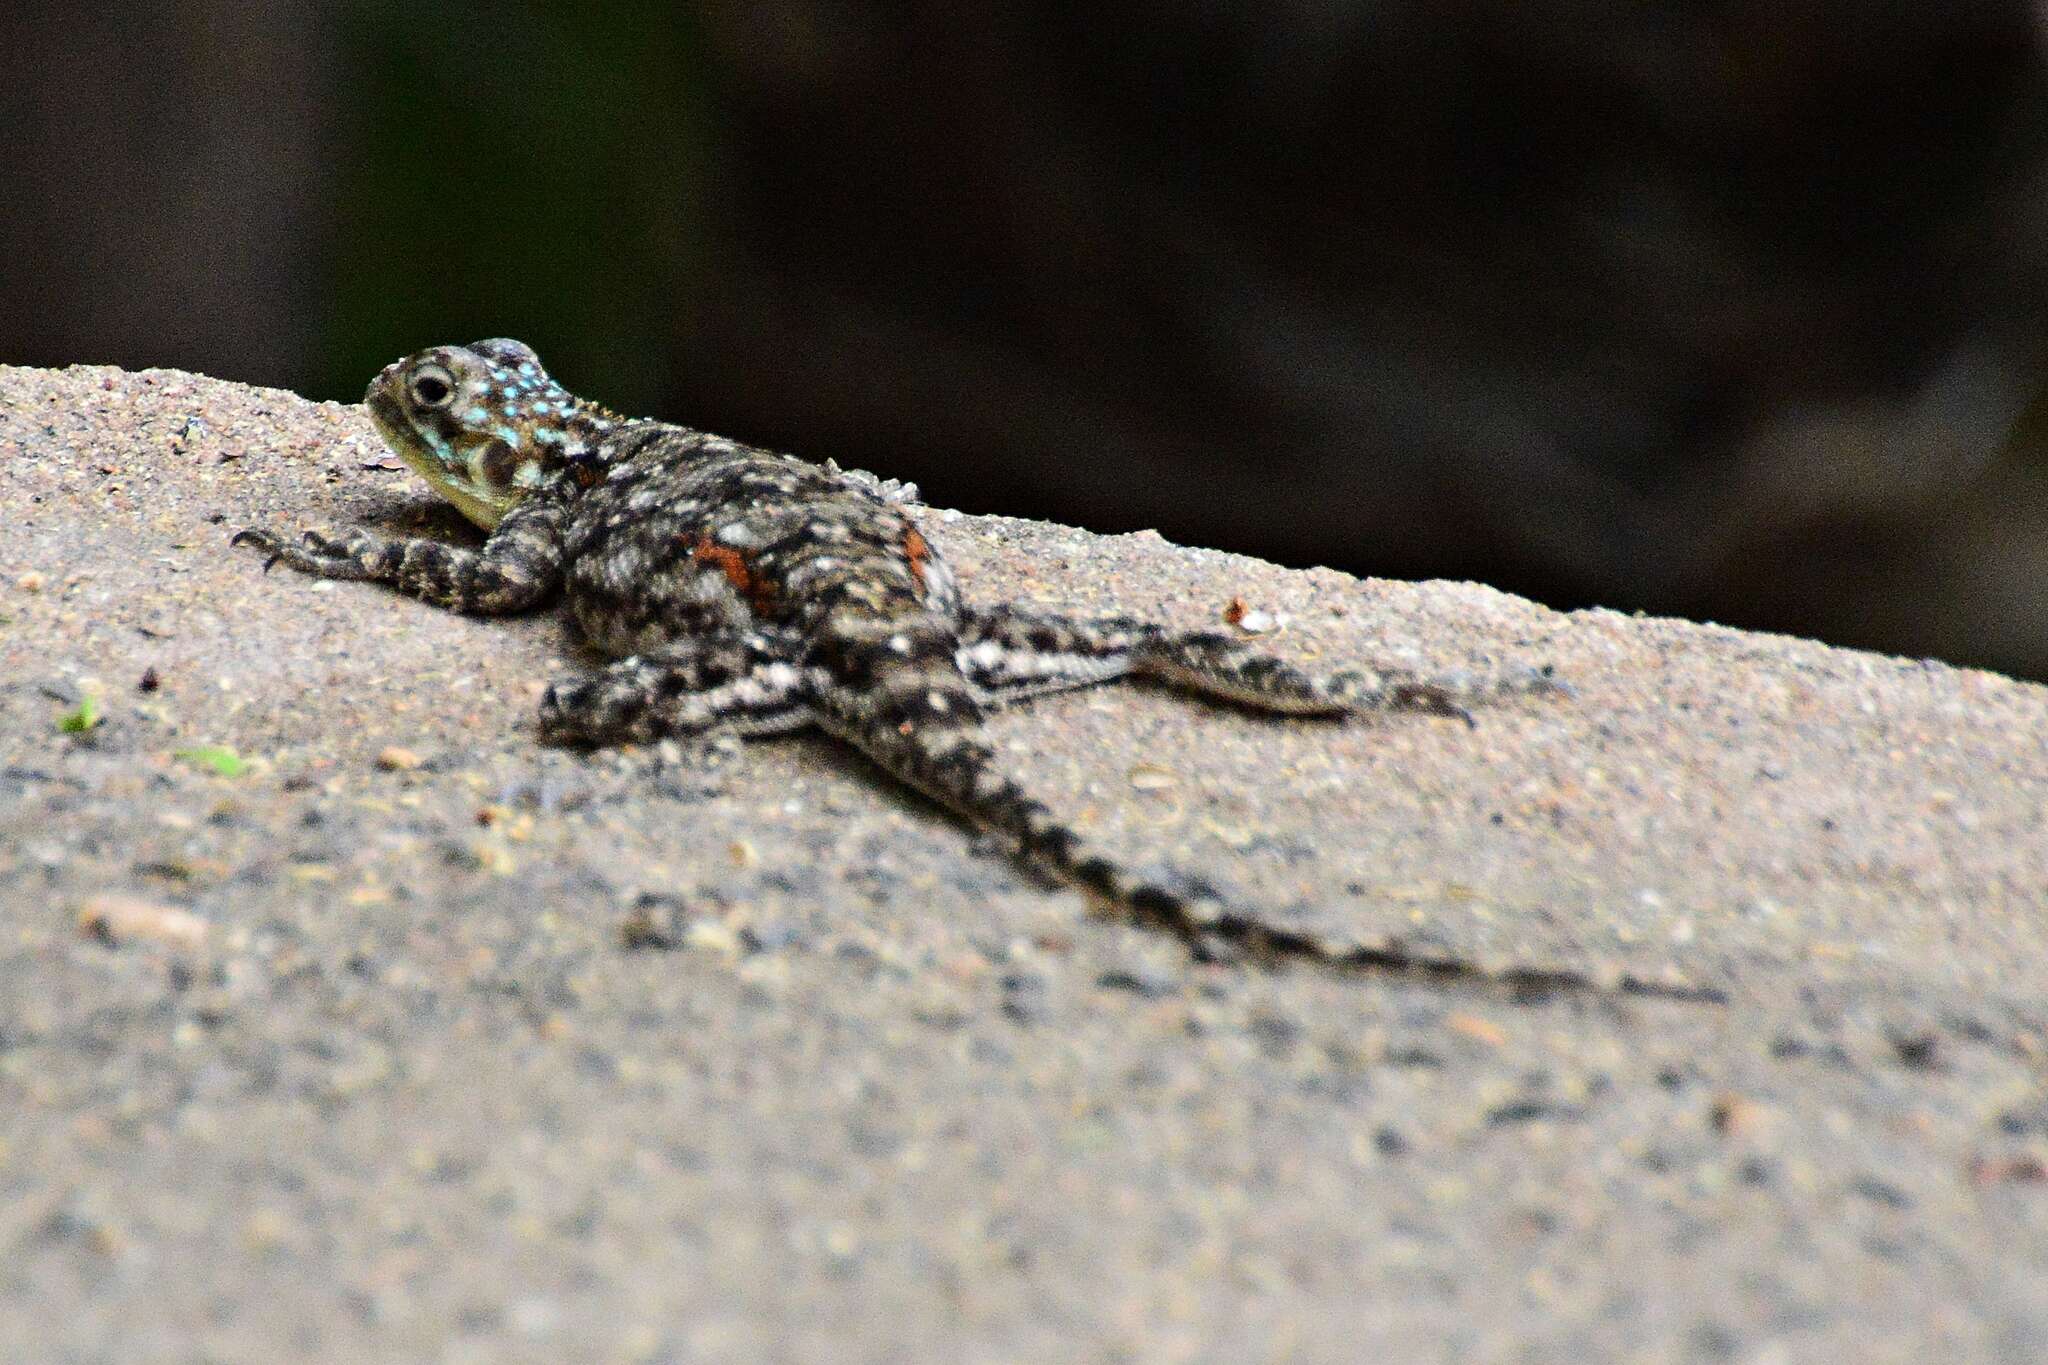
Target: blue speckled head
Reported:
[(483, 423)]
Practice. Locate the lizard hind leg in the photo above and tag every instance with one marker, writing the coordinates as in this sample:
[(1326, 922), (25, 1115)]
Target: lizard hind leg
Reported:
[(1011, 654), (1221, 666), (1008, 654), (739, 682)]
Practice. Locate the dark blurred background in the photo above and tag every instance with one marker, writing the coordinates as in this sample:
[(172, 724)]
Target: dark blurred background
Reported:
[(1733, 310)]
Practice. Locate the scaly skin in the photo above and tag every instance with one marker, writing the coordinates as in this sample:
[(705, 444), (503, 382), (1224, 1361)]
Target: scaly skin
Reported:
[(744, 591)]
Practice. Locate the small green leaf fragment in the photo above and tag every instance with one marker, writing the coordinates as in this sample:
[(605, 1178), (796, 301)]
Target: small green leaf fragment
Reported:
[(81, 717), (223, 760)]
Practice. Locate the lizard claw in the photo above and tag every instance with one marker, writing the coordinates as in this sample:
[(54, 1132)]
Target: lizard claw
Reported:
[(1433, 700), (1543, 681), (262, 540)]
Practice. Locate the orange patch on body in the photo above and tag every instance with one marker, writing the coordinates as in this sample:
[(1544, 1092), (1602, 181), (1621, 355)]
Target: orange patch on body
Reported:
[(737, 571), (917, 552)]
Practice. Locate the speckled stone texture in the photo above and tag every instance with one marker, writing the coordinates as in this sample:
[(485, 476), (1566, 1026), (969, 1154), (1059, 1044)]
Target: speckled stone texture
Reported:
[(393, 1034)]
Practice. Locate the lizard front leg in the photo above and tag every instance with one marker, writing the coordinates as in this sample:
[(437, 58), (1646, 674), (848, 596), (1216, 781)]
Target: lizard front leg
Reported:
[(517, 568)]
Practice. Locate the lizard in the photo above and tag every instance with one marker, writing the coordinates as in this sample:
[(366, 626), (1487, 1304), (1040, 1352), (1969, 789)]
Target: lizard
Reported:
[(741, 591)]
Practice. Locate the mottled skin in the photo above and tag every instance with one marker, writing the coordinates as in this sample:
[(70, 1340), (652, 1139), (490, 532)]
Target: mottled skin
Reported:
[(750, 592)]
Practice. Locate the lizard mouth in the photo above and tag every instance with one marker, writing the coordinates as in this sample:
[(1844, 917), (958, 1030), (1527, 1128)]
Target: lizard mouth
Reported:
[(453, 481), (385, 413), (393, 424)]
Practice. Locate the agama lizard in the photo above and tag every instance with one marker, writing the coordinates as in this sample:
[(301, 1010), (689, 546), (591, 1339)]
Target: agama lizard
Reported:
[(749, 592)]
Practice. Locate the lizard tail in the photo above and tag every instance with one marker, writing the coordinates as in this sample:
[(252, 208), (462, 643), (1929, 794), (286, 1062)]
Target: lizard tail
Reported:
[(926, 746), (953, 768)]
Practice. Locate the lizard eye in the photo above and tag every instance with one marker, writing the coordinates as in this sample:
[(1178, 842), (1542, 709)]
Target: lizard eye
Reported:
[(432, 387)]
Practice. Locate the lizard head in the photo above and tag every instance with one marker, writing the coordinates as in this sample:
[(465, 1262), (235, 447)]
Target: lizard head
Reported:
[(483, 423)]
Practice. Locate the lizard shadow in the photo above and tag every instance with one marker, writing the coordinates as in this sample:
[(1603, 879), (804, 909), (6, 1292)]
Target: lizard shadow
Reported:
[(412, 514)]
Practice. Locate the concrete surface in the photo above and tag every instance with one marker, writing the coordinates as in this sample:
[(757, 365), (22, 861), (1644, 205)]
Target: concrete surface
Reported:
[(393, 1035)]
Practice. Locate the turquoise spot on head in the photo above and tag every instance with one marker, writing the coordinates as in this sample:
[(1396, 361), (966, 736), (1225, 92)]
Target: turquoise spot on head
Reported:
[(475, 416), (438, 444)]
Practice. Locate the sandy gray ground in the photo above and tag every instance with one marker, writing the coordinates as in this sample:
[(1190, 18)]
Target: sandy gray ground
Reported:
[(486, 1051)]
